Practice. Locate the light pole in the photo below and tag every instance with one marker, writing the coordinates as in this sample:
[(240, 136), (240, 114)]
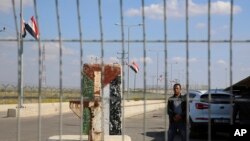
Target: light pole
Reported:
[(171, 65), (129, 26), (157, 67), (180, 75), (153, 85)]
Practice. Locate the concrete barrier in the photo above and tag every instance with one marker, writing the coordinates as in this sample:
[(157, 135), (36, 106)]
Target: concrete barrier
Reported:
[(11, 113), (29, 110), (54, 108)]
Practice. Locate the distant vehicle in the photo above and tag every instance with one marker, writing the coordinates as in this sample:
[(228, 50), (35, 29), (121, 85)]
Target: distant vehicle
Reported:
[(220, 109)]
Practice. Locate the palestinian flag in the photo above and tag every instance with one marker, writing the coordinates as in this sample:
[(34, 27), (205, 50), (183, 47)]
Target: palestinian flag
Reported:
[(32, 28), (134, 67)]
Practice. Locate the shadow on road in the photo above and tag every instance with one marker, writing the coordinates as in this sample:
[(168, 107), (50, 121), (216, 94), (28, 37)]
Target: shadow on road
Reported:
[(156, 135)]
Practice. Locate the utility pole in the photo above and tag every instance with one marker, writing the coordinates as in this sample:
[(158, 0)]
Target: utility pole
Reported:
[(120, 58), (128, 26)]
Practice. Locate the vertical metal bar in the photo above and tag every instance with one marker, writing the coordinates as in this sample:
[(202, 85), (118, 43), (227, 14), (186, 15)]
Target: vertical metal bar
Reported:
[(81, 65), (102, 63), (40, 75), (60, 70), (231, 58), (19, 69), (144, 71), (187, 68), (123, 71), (166, 66), (209, 68)]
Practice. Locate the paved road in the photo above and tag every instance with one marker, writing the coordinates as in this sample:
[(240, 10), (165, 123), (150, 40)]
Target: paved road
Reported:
[(29, 127), (50, 126), (155, 131), (155, 126)]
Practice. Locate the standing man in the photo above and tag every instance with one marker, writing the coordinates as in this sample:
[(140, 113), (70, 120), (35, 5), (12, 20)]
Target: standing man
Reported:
[(177, 114)]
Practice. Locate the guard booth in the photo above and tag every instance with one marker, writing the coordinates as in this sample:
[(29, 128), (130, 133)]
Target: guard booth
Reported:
[(101, 90)]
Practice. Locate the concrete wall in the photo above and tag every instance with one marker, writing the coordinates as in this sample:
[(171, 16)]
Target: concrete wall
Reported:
[(133, 108), (32, 109)]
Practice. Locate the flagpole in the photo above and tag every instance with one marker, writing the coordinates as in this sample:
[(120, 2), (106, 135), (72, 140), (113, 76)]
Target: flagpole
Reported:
[(20, 71), (20, 60)]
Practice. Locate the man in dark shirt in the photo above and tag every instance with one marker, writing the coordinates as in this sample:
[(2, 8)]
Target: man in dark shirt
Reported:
[(177, 114)]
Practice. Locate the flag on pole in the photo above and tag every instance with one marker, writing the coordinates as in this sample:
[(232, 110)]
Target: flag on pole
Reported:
[(32, 28), (23, 29), (134, 67)]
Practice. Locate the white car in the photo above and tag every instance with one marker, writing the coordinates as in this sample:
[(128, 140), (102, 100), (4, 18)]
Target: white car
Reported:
[(220, 109)]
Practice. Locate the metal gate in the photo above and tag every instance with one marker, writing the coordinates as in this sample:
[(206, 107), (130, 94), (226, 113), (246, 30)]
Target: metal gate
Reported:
[(159, 36)]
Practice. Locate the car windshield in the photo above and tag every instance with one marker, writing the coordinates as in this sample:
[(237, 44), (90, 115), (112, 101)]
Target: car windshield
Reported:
[(216, 98)]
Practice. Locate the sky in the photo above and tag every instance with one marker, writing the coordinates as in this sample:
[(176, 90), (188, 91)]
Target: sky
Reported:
[(154, 31)]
